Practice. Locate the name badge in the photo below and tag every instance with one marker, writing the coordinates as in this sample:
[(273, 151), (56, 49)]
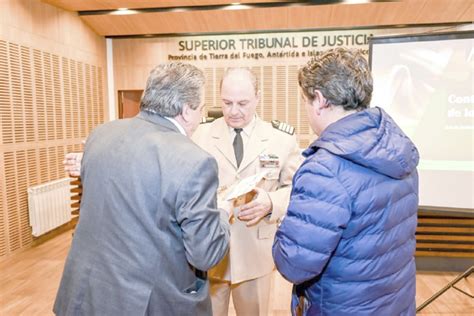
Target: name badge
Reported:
[(269, 161)]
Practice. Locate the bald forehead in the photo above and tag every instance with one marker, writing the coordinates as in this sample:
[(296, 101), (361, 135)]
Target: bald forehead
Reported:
[(242, 75)]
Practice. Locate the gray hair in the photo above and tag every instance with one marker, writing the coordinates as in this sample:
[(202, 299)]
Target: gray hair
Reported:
[(342, 76), (170, 86), (252, 76)]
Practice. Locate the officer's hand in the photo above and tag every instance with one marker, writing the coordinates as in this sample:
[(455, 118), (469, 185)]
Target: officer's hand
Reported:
[(255, 210), (72, 164)]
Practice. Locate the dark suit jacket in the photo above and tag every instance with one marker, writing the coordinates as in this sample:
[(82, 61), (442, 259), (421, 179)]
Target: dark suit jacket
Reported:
[(148, 221)]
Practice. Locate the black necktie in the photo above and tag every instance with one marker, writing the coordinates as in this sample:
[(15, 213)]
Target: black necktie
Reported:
[(238, 146)]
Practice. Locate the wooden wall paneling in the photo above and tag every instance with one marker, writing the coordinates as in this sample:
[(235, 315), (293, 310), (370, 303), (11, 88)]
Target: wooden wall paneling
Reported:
[(58, 98), (38, 123), (281, 93), (47, 26), (101, 92), (16, 93), (78, 147), (304, 143), (21, 187), (257, 70), (82, 99), (209, 89), (451, 246), (67, 98), (267, 93), (33, 167), (43, 165), (96, 96), (4, 89), (443, 234), (39, 95), (3, 214), (52, 163), (13, 216), (273, 93), (15, 166), (4, 229), (5, 100), (49, 101), (450, 254), (76, 126), (447, 237), (443, 228), (292, 98), (60, 152), (88, 104), (69, 148), (27, 94), (129, 102)]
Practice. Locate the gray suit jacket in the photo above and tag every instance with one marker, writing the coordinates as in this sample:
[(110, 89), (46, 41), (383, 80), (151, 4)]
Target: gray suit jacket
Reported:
[(148, 221)]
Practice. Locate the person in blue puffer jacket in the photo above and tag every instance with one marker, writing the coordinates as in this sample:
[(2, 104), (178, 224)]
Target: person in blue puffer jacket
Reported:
[(347, 242)]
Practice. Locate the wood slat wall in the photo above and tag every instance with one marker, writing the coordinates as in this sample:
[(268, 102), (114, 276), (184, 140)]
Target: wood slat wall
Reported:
[(51, 96), (39, 125), (445, 234)]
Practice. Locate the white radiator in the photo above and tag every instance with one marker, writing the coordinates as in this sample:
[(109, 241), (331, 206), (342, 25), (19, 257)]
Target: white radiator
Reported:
[(49, 205)]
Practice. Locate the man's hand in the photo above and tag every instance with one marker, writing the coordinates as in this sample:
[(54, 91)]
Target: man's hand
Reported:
[(72, 164), (255, 210)]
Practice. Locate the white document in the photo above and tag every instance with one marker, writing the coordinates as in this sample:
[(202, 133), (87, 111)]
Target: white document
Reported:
[(245, 186)]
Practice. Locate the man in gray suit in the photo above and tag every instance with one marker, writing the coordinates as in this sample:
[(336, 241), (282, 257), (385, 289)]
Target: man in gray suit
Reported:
[(149, 223)]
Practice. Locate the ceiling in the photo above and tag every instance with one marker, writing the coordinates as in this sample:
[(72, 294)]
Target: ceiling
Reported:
[(219, 16), (93, 5)]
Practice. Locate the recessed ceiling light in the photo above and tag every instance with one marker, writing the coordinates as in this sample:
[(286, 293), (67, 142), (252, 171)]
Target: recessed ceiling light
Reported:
[(237, 6), (356, 1), (124, 11)]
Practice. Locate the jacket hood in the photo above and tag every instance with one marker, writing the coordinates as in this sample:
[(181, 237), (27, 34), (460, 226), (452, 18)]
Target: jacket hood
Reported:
[(372, 139)]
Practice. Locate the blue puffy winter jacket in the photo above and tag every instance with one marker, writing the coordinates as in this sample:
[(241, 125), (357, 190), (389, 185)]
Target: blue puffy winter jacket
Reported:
[(348, 239)]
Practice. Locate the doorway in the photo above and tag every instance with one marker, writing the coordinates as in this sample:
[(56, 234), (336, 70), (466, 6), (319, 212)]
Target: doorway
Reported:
[(129, 103)]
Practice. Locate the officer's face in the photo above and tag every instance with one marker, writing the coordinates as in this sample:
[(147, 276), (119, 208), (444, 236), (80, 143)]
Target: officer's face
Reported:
[(239, 99)]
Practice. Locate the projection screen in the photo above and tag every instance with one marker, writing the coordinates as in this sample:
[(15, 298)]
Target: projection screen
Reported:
[(426, 83)]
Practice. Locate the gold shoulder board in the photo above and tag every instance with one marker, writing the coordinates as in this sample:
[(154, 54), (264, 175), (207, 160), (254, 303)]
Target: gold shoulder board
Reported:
[(281, 126)]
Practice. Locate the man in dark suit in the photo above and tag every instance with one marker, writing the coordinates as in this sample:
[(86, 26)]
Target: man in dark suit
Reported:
[(149, 223)]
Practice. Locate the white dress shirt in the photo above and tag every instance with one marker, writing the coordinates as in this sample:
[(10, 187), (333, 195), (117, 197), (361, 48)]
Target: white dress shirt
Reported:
[(180, 128), (246, 132)]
